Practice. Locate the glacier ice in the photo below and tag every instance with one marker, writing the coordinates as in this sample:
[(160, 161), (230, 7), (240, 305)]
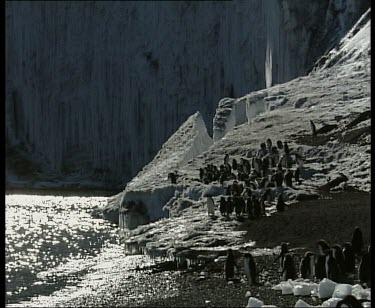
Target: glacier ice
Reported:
[(301, 304), (342, 289)]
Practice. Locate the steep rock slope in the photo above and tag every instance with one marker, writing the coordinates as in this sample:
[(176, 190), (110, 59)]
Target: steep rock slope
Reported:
[(95, 88), (336, 97)]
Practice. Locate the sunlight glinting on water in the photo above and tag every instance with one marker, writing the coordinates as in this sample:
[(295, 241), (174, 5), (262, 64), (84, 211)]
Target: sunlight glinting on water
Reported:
[(49, 237)]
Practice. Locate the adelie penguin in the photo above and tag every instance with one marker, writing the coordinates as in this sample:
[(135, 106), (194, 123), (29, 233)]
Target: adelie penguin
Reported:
[(296, 176), (280, 205), (364, 270), (307, 266), (288, 271), (250, 269), (313, 129), (332, 270), (230, 264), (256, 206), (284, 250), (349, 257), (357, 241), (288, 178), (210, 206), (223, 206), (339, 257), (320, 265)]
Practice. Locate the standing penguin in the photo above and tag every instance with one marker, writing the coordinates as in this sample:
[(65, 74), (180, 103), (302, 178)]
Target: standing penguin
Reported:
[(230, 206), (339, 258), (280, 205), (296, 176), (210, 206), (357, 241), (234, 164), (249, 208), (284, 250), (320, 265), (364, 270), (288, 271), (349, 258), (313, 128), (288, 178), (331, 267), (256, 206), (250, 269), (230, 264), (223, 206), (226, 159), (307, 266)]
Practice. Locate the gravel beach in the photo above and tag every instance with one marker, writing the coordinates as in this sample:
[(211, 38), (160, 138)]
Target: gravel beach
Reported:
[(302, 225)]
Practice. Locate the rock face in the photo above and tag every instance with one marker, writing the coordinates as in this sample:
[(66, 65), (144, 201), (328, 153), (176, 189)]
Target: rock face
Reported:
[(95, 88)]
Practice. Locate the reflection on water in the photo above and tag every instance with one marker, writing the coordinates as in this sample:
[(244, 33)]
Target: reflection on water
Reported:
[(50, 242)]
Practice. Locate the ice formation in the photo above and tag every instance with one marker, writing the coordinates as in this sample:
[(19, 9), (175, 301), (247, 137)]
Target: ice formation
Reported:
[(326, 288), (254, 303), (92, 102)]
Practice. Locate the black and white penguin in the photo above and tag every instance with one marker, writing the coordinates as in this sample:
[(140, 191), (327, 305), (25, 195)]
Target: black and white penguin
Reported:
[(234, 164), (223, 206), (283, 251), (173, 177), (250, 269), (210, 206), (230, 206), (307, 266), (256, 207), (201, 174), (279, 145), (280, 205), (357, 241), (364, 270), (313, 128), (241, 205), (286, 149), (279, 178), (320, 264), (249, 208), (296, 176), (288, 176), (332, 270), (288, 271), (230, 264), (349, 257), (339, 257), (226, 159)]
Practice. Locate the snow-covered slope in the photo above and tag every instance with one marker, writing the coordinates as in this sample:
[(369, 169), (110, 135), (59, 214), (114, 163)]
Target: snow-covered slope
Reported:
[(95, 88), (336, 98)]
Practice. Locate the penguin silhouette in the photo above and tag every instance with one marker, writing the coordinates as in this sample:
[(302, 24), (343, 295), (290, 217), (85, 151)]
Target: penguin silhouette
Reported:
[(230, 264), (313, 128), (283, 251), (339, 258), (280, 205), (320, 265), (307, 265), (331, 267), (223, 206), (364, 270), (250, 269), (296, 176), (288, 271), (357, 241), (349, 257)]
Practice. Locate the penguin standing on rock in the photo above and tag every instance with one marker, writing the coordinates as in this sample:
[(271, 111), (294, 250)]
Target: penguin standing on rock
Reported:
[(223, 206), (288, 271), (250, 269), (320, 265), (296, 176), (280, 205), (210, 206), (307, 266), (349, 258), (230, 264), (364, 270), (331, 267), (284, 250)]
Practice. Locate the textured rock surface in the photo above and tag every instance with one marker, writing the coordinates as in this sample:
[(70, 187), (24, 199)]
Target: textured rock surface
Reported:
[(95, 88)]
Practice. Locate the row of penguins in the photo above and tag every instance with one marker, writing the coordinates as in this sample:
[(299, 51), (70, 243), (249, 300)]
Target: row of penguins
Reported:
[(334, 263)]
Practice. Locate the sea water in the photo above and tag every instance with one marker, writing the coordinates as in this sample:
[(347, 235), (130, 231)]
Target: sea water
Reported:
[(52, 242)]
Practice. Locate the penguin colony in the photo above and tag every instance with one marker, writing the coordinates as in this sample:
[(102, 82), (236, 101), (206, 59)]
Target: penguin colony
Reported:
[(252, 182), (336, 263)]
